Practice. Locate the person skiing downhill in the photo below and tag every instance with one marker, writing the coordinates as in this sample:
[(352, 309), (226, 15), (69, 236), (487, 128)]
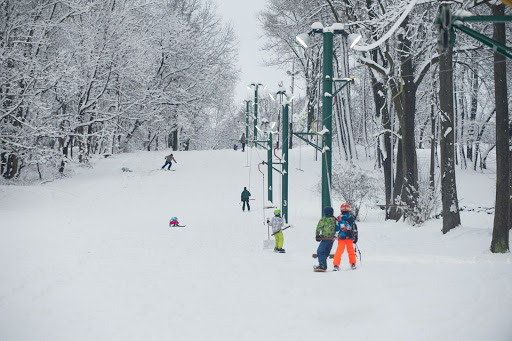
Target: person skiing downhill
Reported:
[(277, 223), (168, 160), (346, 230), (245, 199), (325, 235)]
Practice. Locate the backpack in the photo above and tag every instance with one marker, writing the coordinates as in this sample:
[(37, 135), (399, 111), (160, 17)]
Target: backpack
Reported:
[(345, 229)]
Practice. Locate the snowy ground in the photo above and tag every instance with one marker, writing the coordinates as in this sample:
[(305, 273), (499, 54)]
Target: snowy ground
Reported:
[(91, 257)]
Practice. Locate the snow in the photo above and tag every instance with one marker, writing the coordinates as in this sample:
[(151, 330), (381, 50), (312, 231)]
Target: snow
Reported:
[(462, 13), (91, 257), (447, 132), (323, 131), (391, 31)]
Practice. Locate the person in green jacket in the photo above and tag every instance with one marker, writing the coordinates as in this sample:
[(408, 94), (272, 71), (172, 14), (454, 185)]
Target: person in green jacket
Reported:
[(245, 199), (325, 231)]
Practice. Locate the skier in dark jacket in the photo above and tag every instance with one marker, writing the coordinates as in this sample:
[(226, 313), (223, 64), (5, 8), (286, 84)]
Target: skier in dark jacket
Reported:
[(242, 141), (245, 199)]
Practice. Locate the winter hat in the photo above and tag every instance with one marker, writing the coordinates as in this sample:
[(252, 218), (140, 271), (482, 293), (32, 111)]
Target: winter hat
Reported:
[(328, 211)]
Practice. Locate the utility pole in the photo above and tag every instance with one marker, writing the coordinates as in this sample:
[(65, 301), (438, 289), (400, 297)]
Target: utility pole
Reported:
[(327, 95), (255, 86), (327, 118), (247, 102), (292, 74), (284, 168)]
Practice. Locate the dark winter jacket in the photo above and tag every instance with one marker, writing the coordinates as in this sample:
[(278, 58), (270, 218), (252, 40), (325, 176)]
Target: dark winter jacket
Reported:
[(346, 227), (245, 195)]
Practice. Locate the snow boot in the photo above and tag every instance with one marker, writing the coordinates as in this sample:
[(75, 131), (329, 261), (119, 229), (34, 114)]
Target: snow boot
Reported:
[(353, 266), (336, 268), (319, 268)]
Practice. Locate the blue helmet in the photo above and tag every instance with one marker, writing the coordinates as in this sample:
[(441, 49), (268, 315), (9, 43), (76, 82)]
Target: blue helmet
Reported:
[(328, 211)]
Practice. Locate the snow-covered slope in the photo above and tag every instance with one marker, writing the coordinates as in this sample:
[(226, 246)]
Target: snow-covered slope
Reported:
[(92, 258)]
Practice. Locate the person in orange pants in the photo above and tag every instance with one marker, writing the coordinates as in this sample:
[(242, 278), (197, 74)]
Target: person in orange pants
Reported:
[(346, 229)]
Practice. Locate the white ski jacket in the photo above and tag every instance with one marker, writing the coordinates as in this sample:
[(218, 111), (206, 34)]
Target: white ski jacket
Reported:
[(277, 223)]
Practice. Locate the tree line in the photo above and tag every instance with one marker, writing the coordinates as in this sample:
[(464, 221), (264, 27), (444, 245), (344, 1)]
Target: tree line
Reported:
[(408, 95), (82, 77)]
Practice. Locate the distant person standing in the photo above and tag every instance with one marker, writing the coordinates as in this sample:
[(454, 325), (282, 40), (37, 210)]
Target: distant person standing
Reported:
[(245, 199), (168, 161), (242, 141)]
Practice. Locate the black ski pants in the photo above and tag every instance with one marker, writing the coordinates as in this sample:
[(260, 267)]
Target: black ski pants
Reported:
[(248, 206)]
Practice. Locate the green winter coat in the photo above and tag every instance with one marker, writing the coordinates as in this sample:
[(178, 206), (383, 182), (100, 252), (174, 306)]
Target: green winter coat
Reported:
[(245, 195), (326, 227)]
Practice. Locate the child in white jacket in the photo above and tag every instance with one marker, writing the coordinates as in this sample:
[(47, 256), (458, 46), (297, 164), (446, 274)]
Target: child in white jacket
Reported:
[(277, 224)]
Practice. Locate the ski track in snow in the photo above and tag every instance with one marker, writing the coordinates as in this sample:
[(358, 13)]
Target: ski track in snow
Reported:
[(92, 258)]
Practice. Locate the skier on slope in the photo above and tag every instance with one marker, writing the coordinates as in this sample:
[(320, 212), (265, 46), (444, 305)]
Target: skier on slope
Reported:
[(346, 230), (325, 235), (168, 161), (242, 141), (245, 199), (277, 224)]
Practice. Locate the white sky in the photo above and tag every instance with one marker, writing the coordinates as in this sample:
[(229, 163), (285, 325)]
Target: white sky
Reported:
[(242, 15)]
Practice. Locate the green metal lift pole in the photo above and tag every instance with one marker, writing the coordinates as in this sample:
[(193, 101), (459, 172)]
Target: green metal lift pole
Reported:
[(285, 144), (269, 169), (327, 118), (247, 120), (255, 111), (496, 46)]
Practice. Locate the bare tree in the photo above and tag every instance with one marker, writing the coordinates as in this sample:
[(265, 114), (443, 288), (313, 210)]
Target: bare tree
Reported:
[(500, 233), (451, 217)]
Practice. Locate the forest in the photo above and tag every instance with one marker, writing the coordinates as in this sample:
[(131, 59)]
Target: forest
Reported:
[(91, 77), (83, 77)]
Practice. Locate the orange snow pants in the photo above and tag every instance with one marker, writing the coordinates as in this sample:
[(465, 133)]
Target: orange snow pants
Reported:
[(341, 248)]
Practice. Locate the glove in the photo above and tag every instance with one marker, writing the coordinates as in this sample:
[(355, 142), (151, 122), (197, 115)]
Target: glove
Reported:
[(355, 238), (318, 238)]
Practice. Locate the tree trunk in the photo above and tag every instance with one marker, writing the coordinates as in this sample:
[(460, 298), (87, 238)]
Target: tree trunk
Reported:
[(433, 146), (500, 233), (394, 212), (407, 120), (451, 217), (472, 116), (381, 108)]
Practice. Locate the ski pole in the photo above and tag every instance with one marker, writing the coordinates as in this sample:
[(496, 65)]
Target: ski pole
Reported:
[(282, 229), (359, 251)]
